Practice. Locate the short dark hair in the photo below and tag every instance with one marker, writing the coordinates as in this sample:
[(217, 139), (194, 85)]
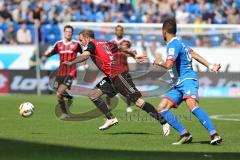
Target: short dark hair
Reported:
[(68, 26), (170, 26), (119, 26), (87, 33)]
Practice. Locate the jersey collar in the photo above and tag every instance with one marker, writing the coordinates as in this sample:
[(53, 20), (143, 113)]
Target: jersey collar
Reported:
[(67, 43), (172, 40)]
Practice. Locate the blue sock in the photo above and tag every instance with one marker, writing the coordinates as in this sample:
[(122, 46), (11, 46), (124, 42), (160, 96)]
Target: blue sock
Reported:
[(204, 119), (173, 121)]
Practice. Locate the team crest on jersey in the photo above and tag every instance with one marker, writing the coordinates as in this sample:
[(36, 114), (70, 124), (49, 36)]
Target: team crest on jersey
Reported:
[(171, 51)]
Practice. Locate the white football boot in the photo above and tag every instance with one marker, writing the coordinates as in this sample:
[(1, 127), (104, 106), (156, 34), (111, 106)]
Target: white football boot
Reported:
[(109, 123)]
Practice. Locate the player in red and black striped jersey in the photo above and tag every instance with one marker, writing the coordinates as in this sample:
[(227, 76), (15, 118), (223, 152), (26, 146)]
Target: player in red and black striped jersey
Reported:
[(123, 41), (67, 49), (107, 57)]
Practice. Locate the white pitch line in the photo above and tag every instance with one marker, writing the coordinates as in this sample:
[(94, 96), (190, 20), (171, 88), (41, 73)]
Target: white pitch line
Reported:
[(226, 117)]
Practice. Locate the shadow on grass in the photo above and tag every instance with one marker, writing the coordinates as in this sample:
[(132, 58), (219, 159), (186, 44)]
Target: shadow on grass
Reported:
[(20, 150), (38, 133), (201, 142), (132, 133)]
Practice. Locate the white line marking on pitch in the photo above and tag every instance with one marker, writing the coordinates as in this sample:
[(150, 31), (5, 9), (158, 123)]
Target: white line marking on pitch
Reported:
[(227, 117)]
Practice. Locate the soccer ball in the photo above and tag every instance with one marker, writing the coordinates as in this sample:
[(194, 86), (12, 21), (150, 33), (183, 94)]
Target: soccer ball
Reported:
[(26, 109)]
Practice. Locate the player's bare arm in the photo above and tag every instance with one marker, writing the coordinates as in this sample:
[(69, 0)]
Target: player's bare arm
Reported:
[(84, 56), (213, 67), (160, 62), (46, 54), (133, 53)]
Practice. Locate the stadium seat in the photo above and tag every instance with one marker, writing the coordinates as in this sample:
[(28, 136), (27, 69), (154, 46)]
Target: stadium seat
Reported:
[(236, 37), (215, 40)]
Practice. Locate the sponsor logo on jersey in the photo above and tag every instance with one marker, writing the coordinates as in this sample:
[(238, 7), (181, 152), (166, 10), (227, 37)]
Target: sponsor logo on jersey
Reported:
[(66, 51)]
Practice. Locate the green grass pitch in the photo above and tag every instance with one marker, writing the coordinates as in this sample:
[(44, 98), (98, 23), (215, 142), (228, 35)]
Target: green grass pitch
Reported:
[(137, 136)]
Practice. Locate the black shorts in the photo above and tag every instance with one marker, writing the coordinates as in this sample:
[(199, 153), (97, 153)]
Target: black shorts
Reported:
[(124, 85), (105, 85), (66, 80)]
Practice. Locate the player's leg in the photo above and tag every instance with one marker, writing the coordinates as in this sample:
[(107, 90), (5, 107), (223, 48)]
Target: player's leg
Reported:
[(61, 84), (68, 82), (128, 104), (128, 107), (174, 98), (124, 85), (95, 95), (191, 96), (149, 108), (69, 99), (61, 89)]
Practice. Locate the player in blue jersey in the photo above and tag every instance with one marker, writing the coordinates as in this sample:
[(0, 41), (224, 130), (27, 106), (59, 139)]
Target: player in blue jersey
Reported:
[(179, 59)]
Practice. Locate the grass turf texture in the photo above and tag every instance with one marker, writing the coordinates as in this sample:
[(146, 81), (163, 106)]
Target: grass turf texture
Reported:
[(137, 136)]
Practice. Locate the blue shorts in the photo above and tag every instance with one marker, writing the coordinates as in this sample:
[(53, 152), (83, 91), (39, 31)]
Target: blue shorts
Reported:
[(186, 89)]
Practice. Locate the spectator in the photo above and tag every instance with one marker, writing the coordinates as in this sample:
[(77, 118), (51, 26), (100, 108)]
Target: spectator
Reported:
[(24, 35), (233, 16), (208, 15), (164, 7), (53, 16), (17, 15), (100, 14), (91, 15), (66, 15), (1, 36), (154, 48), (24, 5), (37, 15), (5, 16), (137, 11), (198, 20), (10, 35), (182, 16)]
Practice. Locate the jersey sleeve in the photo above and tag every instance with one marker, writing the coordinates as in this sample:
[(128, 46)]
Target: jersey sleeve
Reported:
[(173, 51), (79, 48), (91, 47), (53, 49)]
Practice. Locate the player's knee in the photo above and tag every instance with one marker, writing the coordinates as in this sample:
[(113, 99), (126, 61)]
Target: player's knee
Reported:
[(191, 103), (161, 107), (139, 102), (93, 95), (59, 95), (164, 104)]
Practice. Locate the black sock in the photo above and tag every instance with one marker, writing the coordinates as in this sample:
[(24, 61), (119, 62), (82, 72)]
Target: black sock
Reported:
[(129, 102), (101, 105), (153, 112), (62, 104)]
